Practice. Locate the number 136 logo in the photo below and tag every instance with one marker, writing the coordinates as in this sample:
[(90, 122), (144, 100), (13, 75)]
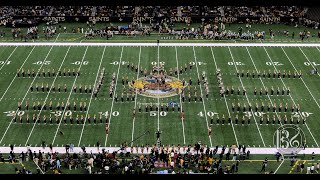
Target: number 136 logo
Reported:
[(289, 138)]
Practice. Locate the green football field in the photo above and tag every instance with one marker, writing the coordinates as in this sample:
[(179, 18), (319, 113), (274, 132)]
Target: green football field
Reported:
[(90, 60)]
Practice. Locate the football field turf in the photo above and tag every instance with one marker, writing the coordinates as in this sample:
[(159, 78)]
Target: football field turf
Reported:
[(91, 60)]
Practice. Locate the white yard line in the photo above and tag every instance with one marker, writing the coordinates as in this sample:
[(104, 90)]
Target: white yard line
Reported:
[(95, 82), (135, 100), (247, 98), (38, 166), (308, 59), (56, 38), (184, 136), (34, 124), (9, 57), (234, 132), (279, 166), (114, 92), (305, 86), (291, 97), (26, 92), (261, 82), (71, 89), (317, 49), (204, 106), (16, 75), (158, 90)]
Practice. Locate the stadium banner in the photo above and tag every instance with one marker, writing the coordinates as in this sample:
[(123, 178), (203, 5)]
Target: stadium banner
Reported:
[(246, 19), (21, 21)]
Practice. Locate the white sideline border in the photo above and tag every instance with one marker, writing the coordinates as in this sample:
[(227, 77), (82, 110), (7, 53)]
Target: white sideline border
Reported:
[(95, 150), (164, 44)]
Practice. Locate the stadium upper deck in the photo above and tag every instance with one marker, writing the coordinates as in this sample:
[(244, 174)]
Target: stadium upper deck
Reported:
[(155, 11)]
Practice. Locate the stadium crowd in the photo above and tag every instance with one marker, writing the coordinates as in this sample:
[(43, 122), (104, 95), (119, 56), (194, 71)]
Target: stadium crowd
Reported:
[(154, 11), (160, 23), (194, 159), (166, 159)]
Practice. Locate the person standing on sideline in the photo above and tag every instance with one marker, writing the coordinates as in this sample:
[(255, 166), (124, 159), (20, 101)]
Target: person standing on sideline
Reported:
[(234, 156), (67, 148), (292, 37), (43, 144), (98, 145), (312, 169), (313, 156), (308, 170), (71, 147), (298, 168), (304, 144), (237, 166), (302, 167), (11, 147), (58, 163), (50, 146), (21, 157), (228, 156)]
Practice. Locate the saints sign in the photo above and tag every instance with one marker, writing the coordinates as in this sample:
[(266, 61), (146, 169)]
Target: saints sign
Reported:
[(288, 139)]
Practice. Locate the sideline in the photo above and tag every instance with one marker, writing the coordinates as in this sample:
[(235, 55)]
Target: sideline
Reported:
[(112, 149), (161, 44)]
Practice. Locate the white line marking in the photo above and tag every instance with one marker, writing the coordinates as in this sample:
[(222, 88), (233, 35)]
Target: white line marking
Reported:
[(291, 97), (71, 89), (204, 106), (308, 58), (307, 89), (115, 88), (85, 119), (184, 136), (56, 38), (234, 132), (247, 98), (38, 166), (261, 81), (279, 166), (15, 75), (8, 57), (34, 124), (158, 90), (26, 92), (135, 100)]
